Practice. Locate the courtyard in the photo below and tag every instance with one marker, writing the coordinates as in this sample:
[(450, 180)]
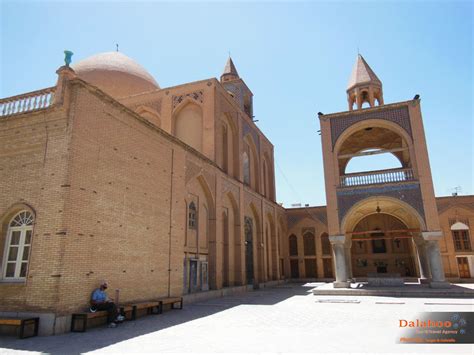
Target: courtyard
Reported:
[(283, 319)]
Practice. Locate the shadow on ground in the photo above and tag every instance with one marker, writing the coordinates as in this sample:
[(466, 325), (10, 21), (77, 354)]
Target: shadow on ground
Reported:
[(97, 338)]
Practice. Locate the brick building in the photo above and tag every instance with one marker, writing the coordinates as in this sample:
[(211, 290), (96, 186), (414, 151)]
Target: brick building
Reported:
[(172, 191)]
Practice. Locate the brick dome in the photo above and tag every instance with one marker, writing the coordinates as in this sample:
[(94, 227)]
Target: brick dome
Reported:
[(116, 74)]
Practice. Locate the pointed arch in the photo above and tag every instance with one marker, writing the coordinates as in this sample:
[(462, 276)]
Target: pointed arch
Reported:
[(268, 188), (150, 114), (250, 149), (229, 150)]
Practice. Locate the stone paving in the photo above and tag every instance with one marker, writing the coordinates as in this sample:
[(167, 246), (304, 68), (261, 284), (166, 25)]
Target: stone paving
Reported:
[(288, 318)]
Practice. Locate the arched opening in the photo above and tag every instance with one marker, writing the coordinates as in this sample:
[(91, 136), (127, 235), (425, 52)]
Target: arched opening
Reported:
[(267, 177), (327, 256), (246, 168), (188, 124), (309, 250), (325, 244), (250, 164), (199, 253), (249, 241), (225, 248), (373, 162), (373, 155), (225, 148), (382, 243), (268, 253), (309, 244), (17, 248)]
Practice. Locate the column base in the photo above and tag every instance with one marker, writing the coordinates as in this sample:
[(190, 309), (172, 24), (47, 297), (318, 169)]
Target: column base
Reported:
[(423, 281), (440, 284), (341, 284)]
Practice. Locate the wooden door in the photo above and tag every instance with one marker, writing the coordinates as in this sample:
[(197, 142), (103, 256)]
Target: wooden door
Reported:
[(463, 267)]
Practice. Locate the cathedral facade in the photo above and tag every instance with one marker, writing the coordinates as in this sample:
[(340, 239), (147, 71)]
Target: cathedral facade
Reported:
[(171, 191)]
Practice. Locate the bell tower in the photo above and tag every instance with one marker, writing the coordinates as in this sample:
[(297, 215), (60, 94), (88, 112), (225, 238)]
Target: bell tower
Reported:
[(364, 86), (380, 221), (237, 88)]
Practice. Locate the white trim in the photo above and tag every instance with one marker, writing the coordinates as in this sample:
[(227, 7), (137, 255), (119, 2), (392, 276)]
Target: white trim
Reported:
[(23, 229), (459, 226)]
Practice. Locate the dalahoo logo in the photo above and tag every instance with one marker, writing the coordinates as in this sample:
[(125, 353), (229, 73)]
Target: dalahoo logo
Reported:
[(437, 327)]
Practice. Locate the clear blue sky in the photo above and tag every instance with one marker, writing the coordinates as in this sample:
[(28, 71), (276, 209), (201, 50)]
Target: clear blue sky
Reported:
[(295, 56)]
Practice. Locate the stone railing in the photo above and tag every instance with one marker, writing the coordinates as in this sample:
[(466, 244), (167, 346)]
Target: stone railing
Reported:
[(376, 177), (32, 101)]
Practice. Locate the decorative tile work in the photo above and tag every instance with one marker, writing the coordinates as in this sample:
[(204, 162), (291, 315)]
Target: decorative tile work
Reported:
[(247, 129), (398, 115), (408, 193), (197, 96), (236, 90)]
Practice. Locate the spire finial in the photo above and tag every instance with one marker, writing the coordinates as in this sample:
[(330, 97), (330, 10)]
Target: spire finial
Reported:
[(67, 57)]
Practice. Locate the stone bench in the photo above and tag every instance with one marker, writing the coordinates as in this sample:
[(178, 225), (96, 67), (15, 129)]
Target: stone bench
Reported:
[(172, 301), (80, 321), (384, 280), (22, 323)]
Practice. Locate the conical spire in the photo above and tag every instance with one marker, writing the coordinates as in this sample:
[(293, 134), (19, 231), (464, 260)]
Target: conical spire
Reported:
[(362, 74), (230, 72), (364, 86)]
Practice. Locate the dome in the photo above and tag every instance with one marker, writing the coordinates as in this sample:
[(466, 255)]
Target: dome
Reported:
[(116, 74)]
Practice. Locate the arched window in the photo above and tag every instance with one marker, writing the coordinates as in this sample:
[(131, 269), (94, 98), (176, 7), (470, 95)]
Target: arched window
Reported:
[(293, 245), (18, 245), (246, 168), (265, 181), (309, 244), (192, 216), (326, 245), (225, 149)]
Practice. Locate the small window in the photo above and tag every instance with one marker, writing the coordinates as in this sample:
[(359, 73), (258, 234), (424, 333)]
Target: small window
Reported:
[(192, 216), (17, 248)]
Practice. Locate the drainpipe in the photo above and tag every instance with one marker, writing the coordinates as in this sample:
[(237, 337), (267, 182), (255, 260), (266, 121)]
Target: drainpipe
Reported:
[(171, 220)]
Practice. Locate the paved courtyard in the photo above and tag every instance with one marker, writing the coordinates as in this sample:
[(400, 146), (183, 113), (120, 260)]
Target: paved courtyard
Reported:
[(288, 318)]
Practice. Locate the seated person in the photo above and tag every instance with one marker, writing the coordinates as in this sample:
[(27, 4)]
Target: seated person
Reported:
[(101, 302)]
